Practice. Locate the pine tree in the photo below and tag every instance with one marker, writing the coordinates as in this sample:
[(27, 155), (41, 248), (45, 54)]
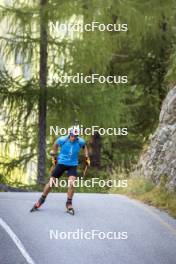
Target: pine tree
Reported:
[(43, 90), (137, 53)]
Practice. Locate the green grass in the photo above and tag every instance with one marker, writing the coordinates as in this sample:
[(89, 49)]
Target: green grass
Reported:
[(145, 191)]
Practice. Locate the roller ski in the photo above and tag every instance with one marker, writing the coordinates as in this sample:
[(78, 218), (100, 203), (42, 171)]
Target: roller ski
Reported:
[(69, 207), (38, 204)]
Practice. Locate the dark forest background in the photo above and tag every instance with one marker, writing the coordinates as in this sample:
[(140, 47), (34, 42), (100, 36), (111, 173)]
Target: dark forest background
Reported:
[(30, 104)]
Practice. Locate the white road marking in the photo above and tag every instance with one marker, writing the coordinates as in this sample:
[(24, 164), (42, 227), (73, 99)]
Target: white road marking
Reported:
[(17, 241)]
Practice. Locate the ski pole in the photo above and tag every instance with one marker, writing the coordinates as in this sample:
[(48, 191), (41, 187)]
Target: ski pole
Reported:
[(85, 170)]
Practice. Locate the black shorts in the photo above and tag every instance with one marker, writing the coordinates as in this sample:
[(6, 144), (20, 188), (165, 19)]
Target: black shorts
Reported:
[(61, 168)]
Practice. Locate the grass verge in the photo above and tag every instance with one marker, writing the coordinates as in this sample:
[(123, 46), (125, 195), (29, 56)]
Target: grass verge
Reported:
[(145, 191)]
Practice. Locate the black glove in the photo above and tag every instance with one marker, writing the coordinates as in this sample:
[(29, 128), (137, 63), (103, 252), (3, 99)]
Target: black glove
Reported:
[(87, 161), (53, 157), (54, 160)]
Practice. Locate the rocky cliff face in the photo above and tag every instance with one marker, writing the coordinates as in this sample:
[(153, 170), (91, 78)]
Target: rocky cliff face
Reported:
[(159, 160)]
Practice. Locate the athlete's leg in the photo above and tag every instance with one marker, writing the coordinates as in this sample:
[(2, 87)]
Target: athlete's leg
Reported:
[(71, 188), (70, 192), (48, 186), (72, 175), (57, 172)]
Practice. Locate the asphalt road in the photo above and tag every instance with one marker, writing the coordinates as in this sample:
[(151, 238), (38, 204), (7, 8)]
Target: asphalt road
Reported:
[(149, 236)]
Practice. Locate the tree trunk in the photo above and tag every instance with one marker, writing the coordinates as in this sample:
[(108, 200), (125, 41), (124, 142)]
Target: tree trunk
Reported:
[(95, 145), (43, 92)]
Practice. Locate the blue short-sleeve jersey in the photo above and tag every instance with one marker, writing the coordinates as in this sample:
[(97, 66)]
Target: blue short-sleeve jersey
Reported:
[(69, 151)]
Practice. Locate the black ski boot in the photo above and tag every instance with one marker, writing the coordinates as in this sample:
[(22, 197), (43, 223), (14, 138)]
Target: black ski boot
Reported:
[(38, 204), (69, 207)]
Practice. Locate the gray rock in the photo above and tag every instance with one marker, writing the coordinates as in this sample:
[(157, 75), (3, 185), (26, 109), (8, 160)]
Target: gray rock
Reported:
[(158, 161)]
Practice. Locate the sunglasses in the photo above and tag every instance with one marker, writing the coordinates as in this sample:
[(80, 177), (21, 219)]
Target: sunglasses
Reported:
[(72, 135)]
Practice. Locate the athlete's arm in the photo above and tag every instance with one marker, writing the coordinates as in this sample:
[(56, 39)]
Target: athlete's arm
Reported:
[(54, 150)]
